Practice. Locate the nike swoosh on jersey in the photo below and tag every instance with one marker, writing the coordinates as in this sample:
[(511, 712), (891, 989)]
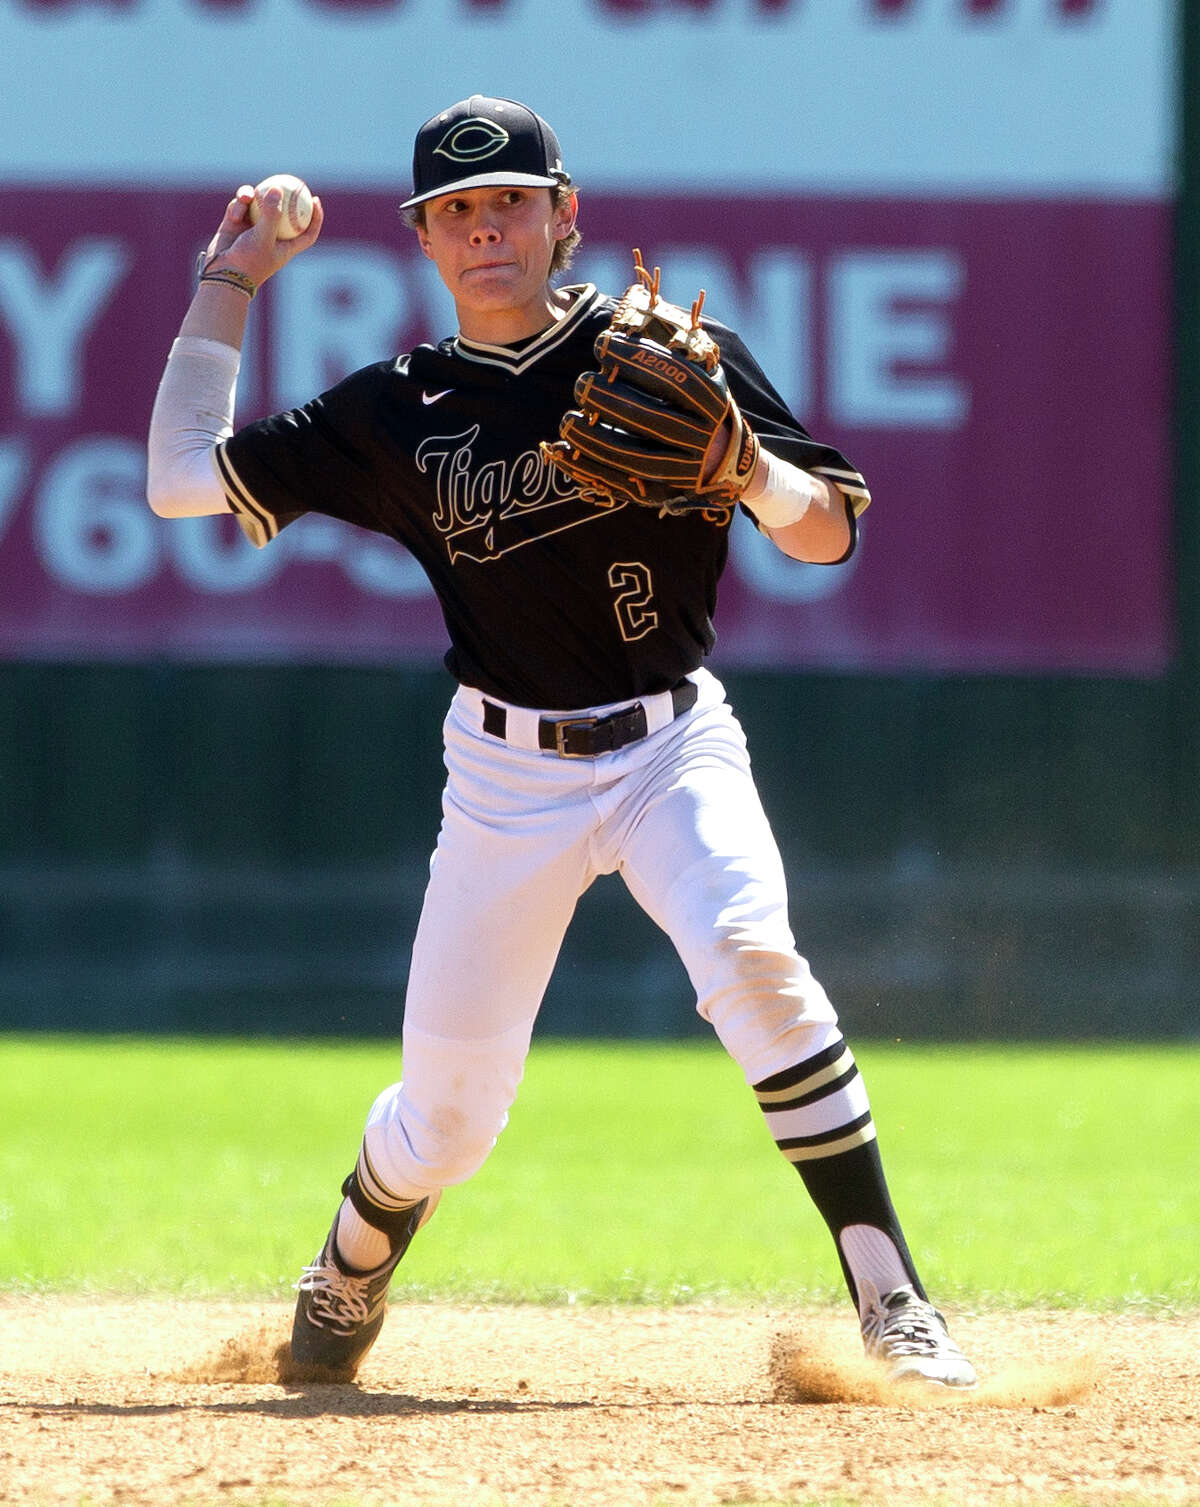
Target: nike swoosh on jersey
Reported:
[(432, 397)]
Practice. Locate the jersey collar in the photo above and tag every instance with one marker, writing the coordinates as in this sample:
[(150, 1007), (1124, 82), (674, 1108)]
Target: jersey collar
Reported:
[(517, 361)]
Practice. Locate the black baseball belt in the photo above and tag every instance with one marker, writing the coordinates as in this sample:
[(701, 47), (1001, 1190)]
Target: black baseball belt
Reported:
[(588, 737)]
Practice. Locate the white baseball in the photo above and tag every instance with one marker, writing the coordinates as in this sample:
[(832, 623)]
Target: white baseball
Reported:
[(297, 204)]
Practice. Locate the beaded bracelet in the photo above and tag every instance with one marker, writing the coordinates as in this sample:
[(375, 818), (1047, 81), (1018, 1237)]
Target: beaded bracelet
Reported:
[(233, 278)]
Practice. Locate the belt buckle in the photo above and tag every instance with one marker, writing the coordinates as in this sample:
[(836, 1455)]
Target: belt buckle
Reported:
[(561, 729)]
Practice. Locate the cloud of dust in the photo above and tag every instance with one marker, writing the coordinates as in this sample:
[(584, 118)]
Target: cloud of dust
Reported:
[(798, 1374), (260, 1355)]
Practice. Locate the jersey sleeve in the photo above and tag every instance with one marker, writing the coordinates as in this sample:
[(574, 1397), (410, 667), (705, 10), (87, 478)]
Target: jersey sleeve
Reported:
[(314, 459), (781, 433)]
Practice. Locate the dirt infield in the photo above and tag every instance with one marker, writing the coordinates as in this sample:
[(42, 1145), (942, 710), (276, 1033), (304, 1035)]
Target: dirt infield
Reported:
[(172, 1403)]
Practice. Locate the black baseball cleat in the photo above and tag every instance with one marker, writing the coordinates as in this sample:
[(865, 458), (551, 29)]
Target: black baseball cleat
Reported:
[(910, 1337), (340, 1312)]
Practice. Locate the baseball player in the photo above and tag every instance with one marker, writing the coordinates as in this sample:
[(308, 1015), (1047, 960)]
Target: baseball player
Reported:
[(585, 735)]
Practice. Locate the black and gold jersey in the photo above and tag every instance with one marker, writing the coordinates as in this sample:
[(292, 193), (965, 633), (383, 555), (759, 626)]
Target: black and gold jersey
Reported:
[(549, 600)]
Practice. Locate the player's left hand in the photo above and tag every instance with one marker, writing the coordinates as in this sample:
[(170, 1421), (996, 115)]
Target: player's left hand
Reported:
[(656, 424)]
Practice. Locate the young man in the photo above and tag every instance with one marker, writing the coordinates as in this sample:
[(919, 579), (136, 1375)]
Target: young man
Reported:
[(585, 735)]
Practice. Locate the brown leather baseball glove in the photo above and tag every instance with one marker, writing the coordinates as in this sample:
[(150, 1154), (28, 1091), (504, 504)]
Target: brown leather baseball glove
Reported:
[(656, 424)]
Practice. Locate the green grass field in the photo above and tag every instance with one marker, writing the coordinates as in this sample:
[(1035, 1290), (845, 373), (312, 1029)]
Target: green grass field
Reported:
[(630, 1172)]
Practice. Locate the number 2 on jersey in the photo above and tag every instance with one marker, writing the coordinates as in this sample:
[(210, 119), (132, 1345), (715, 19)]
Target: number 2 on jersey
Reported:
[(635, 591)]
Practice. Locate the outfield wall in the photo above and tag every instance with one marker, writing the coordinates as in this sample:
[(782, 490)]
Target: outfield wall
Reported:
[(951, 229), (985, 857)]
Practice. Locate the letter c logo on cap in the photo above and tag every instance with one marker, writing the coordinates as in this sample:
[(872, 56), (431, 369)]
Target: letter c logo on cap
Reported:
[(472, 140)]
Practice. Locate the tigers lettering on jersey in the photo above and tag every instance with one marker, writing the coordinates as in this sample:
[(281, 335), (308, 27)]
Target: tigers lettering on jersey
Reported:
[(486, 508)]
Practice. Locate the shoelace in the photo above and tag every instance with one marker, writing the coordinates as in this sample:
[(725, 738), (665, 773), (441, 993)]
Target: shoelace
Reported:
[(336, 1295), (913, 1327)]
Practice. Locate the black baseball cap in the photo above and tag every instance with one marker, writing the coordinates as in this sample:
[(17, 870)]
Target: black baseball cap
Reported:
[(481, 142)]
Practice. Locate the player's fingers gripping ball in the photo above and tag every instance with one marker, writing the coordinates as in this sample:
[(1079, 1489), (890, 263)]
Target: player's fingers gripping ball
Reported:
[(297, 210), (652, 422)]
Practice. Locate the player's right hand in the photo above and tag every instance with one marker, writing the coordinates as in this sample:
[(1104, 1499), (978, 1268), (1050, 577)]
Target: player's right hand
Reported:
[(256, 249)]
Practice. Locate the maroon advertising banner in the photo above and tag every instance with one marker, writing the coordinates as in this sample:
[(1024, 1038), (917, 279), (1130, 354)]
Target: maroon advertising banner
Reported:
[(998, 369)]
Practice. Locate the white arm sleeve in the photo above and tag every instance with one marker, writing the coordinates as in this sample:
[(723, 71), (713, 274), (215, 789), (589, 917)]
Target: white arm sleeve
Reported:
[(193, 412)]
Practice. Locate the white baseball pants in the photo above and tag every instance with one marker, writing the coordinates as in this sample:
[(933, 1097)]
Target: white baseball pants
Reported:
[(524, 833)]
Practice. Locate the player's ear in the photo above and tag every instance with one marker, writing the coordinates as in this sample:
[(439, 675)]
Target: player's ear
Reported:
[(565, 216)]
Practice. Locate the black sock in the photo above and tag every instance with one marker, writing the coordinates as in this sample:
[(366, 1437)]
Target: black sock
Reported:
[(820, 1117)]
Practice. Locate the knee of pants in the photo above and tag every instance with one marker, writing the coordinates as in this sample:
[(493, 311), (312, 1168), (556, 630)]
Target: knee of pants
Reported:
[(414, 1155), (768, 1011), (437, 1126), (413, 1152)]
